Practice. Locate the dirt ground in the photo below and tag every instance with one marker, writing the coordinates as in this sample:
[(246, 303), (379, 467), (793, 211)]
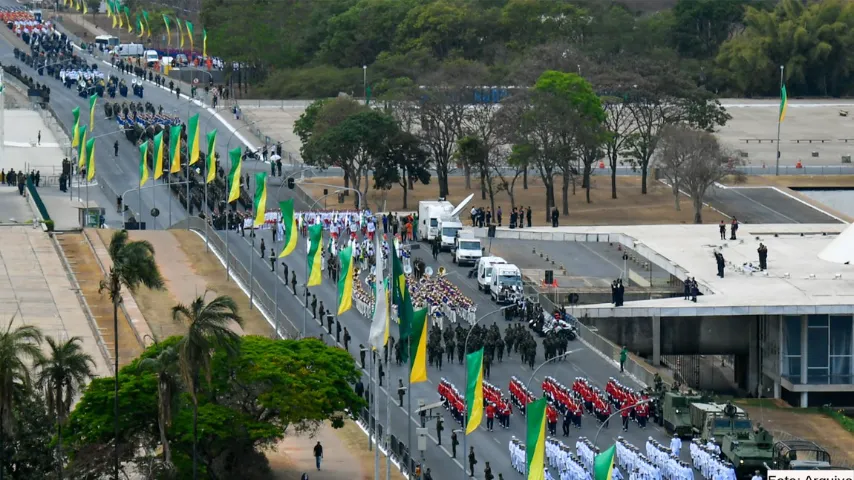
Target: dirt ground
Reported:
[(207, 266), (814, 427), (630, 208)]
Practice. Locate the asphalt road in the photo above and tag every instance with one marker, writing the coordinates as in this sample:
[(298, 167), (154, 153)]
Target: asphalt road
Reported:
[(121, 174), (764, 205)]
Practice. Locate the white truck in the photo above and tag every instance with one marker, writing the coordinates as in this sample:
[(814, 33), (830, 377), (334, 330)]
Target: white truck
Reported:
[(484, 271), (130, 50), (431, 215), (466, 249), (506, 284)]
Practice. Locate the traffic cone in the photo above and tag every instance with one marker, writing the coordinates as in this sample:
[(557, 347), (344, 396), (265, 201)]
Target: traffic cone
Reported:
[(799, 165), (601, 164)]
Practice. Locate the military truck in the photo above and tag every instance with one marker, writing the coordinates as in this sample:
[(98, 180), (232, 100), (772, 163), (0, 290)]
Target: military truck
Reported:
[(799, 455), (676, 412), (711, 421), (748, 451)]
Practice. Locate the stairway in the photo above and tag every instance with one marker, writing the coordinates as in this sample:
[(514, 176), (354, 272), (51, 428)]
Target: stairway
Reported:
[(88, 273)]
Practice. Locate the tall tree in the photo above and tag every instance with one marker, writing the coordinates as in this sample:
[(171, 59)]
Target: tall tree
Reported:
[(133, 265), (701, 26), (483, 123), (19, 349), (209, 328), (405, 162), (61, 376), (166, 366), (619, 127)]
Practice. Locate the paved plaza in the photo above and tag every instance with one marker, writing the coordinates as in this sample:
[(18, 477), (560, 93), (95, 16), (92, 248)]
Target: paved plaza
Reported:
[(36, 290)]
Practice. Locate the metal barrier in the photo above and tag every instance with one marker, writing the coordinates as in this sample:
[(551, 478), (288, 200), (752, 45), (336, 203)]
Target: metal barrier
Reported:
[(394, 447), (37, 199), (286, 328)]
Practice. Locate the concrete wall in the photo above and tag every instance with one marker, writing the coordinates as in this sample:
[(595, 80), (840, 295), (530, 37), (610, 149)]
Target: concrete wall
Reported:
[(679, 335)]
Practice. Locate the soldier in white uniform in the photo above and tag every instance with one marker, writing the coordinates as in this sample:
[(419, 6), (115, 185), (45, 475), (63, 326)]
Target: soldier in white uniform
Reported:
[(676, 444)]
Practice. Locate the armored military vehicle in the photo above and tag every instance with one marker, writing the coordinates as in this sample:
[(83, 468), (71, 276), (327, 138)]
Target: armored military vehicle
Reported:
[(799, 455), (748, 451), (676, 412), (711, 421)]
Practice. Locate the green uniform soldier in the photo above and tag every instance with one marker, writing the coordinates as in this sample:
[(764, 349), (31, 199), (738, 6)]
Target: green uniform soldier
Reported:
[(439, 427), (454, 443)]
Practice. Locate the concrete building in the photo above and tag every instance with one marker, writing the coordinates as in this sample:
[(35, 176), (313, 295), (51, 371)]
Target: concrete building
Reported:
[(790, 328)]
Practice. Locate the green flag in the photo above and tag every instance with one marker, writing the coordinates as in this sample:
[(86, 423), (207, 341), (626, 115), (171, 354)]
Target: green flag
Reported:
[(535, 441), (401, 298), (190, 34), (75, 136), (211, 157), (474, 390), (315, 255), (603, 464)]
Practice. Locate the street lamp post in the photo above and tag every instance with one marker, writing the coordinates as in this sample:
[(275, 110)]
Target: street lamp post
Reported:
[(340, 188), (466, 381), (614, 414)]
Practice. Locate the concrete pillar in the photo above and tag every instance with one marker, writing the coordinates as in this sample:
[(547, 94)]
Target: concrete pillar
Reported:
[(656, 341), (804, 351), (805, 397), (753, 356), (778, 392)]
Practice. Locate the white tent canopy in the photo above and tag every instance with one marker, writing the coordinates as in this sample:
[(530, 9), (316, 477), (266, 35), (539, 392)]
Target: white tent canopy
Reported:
[(841, 249)]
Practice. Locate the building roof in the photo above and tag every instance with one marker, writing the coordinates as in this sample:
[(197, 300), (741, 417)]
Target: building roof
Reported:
[(798, 280)]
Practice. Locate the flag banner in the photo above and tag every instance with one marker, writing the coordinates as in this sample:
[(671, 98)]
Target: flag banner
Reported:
[(603, 464), (211, 157), (168, 31), (379, 323), (92, 101), (259, 205), (81, 148), (418, 347), (401, 298), (234, 175), (175, 148), (193, 139), (180, 31), (289, 222), (535, 442), (116, 18), (784, 103), (315, 255), (75, 140), (158, 155), (90, 159), (147, 25), (85, 9), (190, 34), (345, 281), (139, 27), (474, 390), (143, 165), (204, 42), (127, 19)]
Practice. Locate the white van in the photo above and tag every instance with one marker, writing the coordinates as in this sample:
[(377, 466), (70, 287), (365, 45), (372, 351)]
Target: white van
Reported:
[(466, 249), (484, 271), (151, 57), (107, 41), (130, 50), (506, 284)]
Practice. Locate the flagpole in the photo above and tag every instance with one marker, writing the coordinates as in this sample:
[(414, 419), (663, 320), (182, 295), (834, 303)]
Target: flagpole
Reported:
[(387, 434), (207, 243), (153, 201), (138, 192), (376, 417), (169, 191), (779, 121), (371, 394), (251, 265), (188, 184)]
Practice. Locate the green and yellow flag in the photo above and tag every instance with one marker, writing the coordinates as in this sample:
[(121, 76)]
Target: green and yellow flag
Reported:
[(175, 148), (401, 298), (158, 155), (234, 175), (289, 222), (180, 31), (190, 33), (535, 441), (260, 203), (143, 165), (119, 15), (315, 255), (115, 16), (92, 101), (81, 148), (168, 31), (418, 347), (75, 140), (345, 281), (211, 156), (147, 25), (784, 102), (204, 42), (603, 464), (474, 390), (85, 10), (90, 159), (193, 139), (127, 18), (140, 26)]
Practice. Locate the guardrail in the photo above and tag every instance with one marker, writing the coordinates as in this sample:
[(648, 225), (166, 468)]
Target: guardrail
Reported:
[(286, 328), (37, 199)]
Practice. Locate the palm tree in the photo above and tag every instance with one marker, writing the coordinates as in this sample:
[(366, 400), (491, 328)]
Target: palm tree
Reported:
[(133, 264), (19, 348), (208, 330), (165, 366), (61, 376)]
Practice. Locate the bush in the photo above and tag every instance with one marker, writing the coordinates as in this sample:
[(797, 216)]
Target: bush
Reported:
[(49, 224), (311, 83)]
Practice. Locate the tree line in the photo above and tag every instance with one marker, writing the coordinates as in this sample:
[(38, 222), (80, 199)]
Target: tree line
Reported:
[(560, 130), (729, 47), (208, 402)]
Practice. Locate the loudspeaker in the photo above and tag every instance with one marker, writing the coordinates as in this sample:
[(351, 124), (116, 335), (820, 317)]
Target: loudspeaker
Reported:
[(490, 231), (550, 277)]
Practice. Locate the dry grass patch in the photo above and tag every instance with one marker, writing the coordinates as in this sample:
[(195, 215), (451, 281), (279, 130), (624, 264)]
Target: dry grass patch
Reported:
[(206, 265), (630, 208), (355, 441)]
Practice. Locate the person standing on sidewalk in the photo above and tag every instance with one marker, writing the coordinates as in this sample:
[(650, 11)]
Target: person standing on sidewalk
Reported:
[(318, 454), (624, 353)]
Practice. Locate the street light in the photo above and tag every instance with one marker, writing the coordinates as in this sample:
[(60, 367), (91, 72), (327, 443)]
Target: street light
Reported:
[(359, 193), (615, 413), (466, 382)]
